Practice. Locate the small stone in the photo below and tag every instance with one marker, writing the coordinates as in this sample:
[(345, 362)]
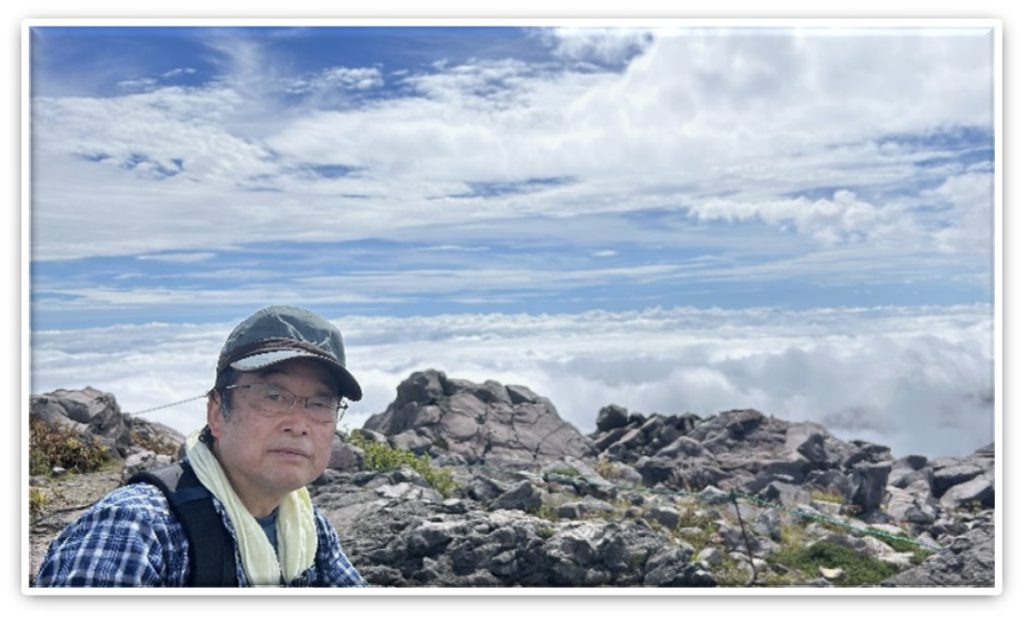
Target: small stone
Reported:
[(831, 573)]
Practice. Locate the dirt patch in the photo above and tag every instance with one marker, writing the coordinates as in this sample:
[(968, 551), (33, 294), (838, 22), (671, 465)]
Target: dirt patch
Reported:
[(64, 500)]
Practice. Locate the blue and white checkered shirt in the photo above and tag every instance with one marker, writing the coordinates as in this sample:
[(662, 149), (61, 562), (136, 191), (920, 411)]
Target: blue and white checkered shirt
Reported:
[(131, 538)]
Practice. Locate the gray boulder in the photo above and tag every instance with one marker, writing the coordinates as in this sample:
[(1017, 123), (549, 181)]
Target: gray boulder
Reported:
[(953, 472), (611, 417), (908, 505), (344, 456), (868, 482), (979, 492), (969, 561), (96, 415), (524, 497), (480, 422)]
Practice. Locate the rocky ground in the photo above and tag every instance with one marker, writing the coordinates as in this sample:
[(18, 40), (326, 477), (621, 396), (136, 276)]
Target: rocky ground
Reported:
[(504, 493), (66, 497)]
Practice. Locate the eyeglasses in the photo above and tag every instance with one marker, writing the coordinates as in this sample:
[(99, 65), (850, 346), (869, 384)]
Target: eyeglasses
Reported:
[(274, 401)]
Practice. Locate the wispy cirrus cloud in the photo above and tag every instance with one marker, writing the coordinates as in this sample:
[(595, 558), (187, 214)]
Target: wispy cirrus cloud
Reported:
[(696, 118)]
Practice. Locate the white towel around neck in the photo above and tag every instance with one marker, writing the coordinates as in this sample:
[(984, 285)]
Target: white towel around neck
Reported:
[(296, 525)]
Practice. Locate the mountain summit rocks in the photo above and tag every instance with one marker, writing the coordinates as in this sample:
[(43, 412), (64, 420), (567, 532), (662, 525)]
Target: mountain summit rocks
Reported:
[(739, 498), (479, 422)]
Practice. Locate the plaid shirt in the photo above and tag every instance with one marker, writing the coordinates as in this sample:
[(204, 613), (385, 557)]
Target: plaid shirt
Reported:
[(131, 538)]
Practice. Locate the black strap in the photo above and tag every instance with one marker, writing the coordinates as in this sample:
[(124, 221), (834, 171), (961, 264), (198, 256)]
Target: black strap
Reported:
[(211, 550)]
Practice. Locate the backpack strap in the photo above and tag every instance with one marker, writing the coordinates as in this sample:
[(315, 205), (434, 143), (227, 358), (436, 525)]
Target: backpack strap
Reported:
[(211, 550)]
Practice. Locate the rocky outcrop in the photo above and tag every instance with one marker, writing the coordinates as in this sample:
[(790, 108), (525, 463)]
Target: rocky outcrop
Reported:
[(744, 449), (401, 533), (96, 416), (646, 500), (968, 561), (479, 422)]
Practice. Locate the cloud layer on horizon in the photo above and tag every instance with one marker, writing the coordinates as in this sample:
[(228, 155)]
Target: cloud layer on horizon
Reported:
[(919, 380)]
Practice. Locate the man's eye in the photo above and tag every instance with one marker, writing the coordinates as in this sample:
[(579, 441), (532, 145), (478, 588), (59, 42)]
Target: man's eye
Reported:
[(319, 404), (273, 395)]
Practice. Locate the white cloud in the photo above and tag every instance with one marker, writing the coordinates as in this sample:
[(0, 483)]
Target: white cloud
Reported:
[(178, 72), (751, 118), (969, 226), (916, 379), (842, 218), (604, 45), (182, 258)]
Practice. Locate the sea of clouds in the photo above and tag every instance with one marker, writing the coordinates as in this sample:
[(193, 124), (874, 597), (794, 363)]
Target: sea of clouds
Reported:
[(918, 379)]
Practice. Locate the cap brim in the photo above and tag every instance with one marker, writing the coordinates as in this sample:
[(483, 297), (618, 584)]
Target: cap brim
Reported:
[(346, 382)]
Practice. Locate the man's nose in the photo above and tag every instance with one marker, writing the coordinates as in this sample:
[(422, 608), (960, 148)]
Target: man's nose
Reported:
[(297, 416)]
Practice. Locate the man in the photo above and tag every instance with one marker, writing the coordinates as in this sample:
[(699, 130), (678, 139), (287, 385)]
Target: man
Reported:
[(239, 495)]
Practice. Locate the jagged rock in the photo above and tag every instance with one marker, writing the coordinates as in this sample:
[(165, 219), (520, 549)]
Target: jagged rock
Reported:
[(524, 497), (399, 531), (429, 539), (786, 494), (683, 446), (665, 516), (980, 491), (867, 452), (956, 473), (583, 479), (97, 415), (612, 437), (910, 469), (868, 483), (143, 460), (918, 507), (769, 523), (988, 451), (411, 440), (969, 561), (815, 446), (673, 568), (481, 488), (654, 470), (482, 422), (710, 557), (830, 482), (582, 509), (713, 495), (621, 474), (611, 417), (742, 422), (344, 456)]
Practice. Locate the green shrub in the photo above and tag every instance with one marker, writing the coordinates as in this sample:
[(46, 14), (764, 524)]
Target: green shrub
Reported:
[(52, 446), (857, 570), (381, 457), (37, 502)]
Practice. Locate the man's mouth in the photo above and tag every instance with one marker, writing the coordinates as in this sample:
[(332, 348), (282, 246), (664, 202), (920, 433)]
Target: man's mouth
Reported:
[(297, 453)]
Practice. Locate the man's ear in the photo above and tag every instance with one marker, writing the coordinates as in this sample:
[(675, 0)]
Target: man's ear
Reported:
[(214, 414)]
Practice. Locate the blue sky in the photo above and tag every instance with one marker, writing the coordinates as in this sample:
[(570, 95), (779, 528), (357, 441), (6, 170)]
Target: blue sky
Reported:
[(191, 175)]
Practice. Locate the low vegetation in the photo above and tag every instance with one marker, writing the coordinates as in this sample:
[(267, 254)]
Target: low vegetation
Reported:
[(382, 457), (56, 446), (857, 570)]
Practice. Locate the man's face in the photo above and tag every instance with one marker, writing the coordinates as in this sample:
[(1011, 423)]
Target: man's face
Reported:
[(266, 457)]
